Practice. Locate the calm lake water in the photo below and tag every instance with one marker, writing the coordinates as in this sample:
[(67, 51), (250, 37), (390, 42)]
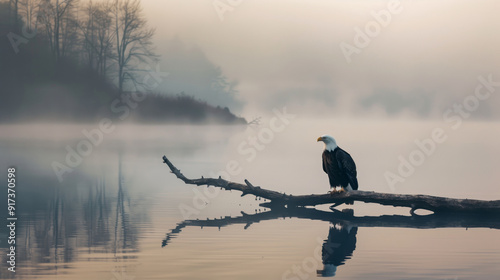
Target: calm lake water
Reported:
[(120, 214)]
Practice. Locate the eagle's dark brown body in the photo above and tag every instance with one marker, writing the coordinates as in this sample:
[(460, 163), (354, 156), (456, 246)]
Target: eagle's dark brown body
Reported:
[(341, 169)]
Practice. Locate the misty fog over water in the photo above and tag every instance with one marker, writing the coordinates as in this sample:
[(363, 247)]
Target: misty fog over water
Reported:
[(110, 215)]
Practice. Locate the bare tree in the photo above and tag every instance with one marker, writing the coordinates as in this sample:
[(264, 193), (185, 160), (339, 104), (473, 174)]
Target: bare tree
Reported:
[(29, 10), (14, 12), (68, 35), (133, 40), (105, 36), (97, 35), (88, 28), (60, 25)]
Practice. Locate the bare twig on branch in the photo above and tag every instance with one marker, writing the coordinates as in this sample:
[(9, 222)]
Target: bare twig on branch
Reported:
[(255, 121)]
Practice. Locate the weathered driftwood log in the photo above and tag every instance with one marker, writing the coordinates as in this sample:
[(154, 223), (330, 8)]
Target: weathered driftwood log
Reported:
[(427, 202), (345, 219)]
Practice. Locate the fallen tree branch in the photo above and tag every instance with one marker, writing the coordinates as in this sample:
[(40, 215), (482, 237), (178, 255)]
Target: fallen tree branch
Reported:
[(427, 202)]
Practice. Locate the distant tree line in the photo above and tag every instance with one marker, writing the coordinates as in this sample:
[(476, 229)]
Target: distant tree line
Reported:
[(70, 59)]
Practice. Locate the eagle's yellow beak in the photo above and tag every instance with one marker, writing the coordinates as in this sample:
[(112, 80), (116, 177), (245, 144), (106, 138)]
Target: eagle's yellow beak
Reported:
[(319, 139)]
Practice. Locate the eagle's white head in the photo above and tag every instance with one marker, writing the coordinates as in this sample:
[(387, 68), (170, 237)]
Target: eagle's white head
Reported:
[(330, 143)]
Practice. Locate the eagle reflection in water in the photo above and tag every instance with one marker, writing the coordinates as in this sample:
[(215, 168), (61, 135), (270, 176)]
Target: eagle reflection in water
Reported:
[(338, 248)]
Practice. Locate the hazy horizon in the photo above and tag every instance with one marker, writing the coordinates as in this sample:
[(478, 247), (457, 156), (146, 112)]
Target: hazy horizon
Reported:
[(427, 58)]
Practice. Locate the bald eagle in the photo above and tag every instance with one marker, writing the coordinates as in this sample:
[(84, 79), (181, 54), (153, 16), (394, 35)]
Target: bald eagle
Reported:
[(339, 166)]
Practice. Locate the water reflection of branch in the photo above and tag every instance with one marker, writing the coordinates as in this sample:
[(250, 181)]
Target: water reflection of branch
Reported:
[(420, 222)]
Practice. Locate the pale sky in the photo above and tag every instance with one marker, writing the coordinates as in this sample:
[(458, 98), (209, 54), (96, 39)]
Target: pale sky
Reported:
[(288, 52)]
